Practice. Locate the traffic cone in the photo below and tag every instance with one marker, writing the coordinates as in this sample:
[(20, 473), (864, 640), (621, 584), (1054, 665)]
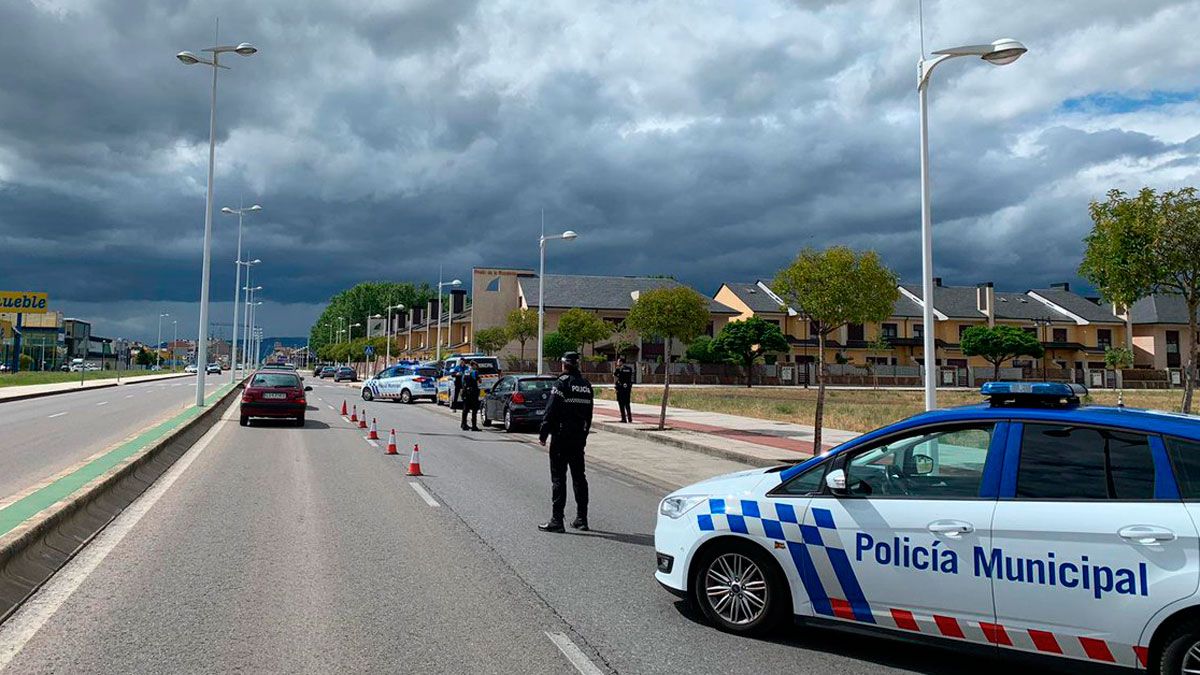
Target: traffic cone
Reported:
[(391, 448), (374, 436), (354, 413), (362, 421), (343, 407), (414, 463)]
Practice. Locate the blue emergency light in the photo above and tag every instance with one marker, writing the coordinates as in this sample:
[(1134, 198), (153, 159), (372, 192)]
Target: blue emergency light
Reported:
[(1033, 394)]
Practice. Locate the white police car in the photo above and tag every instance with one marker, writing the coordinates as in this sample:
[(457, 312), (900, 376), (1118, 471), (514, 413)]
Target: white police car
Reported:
[(404, 382), (1028, 523)]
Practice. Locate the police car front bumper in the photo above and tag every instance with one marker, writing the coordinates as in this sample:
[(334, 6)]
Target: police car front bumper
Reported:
[(673, 538)]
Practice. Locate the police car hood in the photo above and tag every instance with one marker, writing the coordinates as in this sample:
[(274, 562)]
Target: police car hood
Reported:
[(732, 483)]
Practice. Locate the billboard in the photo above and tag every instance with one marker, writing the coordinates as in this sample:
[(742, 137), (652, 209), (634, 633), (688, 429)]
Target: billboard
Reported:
[(23, 302)]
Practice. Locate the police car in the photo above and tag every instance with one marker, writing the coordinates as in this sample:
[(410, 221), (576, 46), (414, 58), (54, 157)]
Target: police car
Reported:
[(488, 368), (1029, 523), (404, 382)]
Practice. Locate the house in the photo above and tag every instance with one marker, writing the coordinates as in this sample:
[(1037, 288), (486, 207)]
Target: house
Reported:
[(1160, 331)]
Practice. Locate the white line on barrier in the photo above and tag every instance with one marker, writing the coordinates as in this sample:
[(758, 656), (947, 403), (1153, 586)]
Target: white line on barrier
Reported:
[(574, 654), (424, 493)]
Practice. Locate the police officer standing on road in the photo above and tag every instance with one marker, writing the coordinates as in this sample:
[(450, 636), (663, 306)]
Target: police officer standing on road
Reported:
[(456, 379), (470, 395), (623, 376), (567, 421)]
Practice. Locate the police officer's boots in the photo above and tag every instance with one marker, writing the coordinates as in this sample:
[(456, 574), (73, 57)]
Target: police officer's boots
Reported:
[(552, 526), (580, 523)]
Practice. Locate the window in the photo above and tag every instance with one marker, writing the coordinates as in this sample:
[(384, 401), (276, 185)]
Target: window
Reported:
[(502, 386), (493, 286), (855, 331), (807, 483), (962, 328), (536, 386), (813, 328), (1066, 462), (890, 332), (918, 330), (275, 380), (1185, 458), (1104, 338), (1173, 358), (1032, 330), (945, 463), (1060, 335)]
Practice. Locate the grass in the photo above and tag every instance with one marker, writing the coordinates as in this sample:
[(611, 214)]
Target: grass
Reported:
[(850, 409), (53, 377)]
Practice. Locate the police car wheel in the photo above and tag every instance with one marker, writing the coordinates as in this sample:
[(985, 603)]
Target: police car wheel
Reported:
[(366, 394), (739, 590), (406, 396), (1181, 651)]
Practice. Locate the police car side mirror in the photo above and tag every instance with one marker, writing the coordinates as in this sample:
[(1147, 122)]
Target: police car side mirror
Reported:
[(922, 464), (836, 481)]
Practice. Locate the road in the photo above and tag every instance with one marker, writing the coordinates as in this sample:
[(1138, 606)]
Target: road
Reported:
[(44, 436), (279, 549)]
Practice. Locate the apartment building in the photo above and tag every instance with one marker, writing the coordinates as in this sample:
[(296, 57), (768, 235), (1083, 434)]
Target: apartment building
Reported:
[(1160, 331)]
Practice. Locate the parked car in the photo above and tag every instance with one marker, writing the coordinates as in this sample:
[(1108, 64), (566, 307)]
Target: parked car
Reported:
[(191, 368), (327, 371), (405, 382), (276, 394), (345, 373), (518, 400), (213, 369)]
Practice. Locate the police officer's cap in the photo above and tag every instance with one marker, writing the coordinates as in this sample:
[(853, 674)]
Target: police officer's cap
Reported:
[(571, 358)]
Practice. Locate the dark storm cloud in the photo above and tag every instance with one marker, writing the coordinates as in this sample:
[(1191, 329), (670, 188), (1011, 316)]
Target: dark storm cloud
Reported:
[(702, 139)]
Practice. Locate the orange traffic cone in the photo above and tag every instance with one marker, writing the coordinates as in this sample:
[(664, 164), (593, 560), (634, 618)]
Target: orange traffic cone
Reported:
[(354, 413), (343, 407), (374, 436), (362, 421), (414, 463), (391, 448)]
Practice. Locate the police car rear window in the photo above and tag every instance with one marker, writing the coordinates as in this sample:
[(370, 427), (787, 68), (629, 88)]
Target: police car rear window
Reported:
[(1067, 462), (1185, 459), (426, 372)]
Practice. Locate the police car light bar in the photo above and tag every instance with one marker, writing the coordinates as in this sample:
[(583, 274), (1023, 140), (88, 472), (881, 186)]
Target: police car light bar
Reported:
[(1034, 394)]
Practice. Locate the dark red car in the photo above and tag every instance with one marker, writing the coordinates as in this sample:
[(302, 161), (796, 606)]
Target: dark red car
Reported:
[(274, 393)]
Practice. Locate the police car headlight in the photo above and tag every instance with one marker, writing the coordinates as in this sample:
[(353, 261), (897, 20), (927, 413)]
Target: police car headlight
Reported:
[(674, 507)]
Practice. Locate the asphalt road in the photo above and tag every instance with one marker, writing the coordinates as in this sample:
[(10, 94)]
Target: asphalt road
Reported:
[(308, 550), (43, 436)]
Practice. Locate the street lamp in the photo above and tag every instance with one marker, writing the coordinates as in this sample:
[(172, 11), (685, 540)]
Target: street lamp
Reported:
[(157, 345), (246, 340), (1001, 53), (567, 236), (175, 339), (350, 332), (442, 306), (251, 334), (190, 59), (237, 286), (388, 358)]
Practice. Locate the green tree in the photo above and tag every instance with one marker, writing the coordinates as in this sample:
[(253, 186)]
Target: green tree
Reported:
[(145, 357), (833, 288), (363, 300), (1119, 358), (491, 340), (702, 351), (1145, 244), (583, 327), (1000, 343), (555, 344), (747, 341), (522, 326), (669, 314), (623, 338)]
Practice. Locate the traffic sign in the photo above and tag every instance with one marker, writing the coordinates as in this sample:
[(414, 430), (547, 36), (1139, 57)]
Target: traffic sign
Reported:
[(369, 350)]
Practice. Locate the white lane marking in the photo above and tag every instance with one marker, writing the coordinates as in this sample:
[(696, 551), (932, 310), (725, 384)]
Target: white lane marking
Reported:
[(129, 396), (57, 415), (22, 626), (102, 403), (424, 493), (331, 406), (574, 654), (372, 442)]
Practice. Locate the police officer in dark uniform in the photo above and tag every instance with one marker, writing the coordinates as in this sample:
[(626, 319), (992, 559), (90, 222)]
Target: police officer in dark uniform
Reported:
[(567, 421), (456, 378), (470, 395), (623, 376)]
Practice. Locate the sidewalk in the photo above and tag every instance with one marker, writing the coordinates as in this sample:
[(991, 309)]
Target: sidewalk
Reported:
[(745, 439), (36, 390)]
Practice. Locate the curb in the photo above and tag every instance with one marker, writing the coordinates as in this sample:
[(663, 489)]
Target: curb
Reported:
[(105, 385), (31, 553), (720, 453)]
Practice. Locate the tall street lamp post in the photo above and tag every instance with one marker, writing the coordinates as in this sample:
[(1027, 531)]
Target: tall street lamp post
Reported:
[(174, 340), (189, 59), (1001, 52), (249, 299), (568, 235), (237, 286), (158, 345)]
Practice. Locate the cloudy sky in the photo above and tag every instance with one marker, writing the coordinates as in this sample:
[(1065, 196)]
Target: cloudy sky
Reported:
[(709, 140)]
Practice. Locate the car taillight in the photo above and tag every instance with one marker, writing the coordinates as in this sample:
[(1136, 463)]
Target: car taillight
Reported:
[(518, 397), (419, 379), (248, 395)]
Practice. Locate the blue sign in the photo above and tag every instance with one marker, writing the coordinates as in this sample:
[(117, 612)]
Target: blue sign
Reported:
[(369, 350)]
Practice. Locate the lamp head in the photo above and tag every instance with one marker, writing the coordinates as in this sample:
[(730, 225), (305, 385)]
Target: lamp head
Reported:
[(569, 234), (256, 207), (245, 49), (456, 282), (1004, 51), (226, 209), (187, 58)]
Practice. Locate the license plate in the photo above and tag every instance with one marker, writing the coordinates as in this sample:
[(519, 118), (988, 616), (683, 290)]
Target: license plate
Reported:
[(272, 394)]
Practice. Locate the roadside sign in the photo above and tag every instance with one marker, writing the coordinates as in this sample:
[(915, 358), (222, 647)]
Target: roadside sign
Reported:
[(23, 302), (369, 350)]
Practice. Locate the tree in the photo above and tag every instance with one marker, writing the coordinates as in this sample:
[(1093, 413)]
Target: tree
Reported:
[(555, 344), (522, 326), (363, 300), (833, 288), (623, 338), (1000, 343), (702, 351), (669, 314), (1119, 358), (747, 341), (583, 327), (491, 340), (1148, 244), (145, 357)]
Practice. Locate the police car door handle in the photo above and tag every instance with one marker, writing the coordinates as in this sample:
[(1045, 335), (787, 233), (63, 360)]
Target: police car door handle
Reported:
[(951, 528), (1146, 534)]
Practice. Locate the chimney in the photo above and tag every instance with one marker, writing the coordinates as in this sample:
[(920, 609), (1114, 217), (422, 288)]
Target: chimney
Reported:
[(417, 315), (431, 309), (401, 321), (985, 301), (1061, 286), (937, 281), (458, 300)]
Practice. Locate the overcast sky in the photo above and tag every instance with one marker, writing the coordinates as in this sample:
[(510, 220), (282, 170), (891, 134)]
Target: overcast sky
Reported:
[(707, 140)]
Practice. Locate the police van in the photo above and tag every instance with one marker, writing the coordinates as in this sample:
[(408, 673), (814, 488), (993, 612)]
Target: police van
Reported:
[(406, 382), (1031, 522), (488, 368)]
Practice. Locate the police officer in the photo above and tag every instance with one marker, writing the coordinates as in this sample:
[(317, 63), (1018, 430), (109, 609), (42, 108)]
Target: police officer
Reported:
[(623, 376), (456, 378), (470, 395), (567, 421)]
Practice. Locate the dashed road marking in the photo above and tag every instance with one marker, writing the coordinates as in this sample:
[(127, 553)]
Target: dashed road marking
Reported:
[(57, 415), (129, 396), (102, 403), (372, 442), (574, 654), (424, 493)]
